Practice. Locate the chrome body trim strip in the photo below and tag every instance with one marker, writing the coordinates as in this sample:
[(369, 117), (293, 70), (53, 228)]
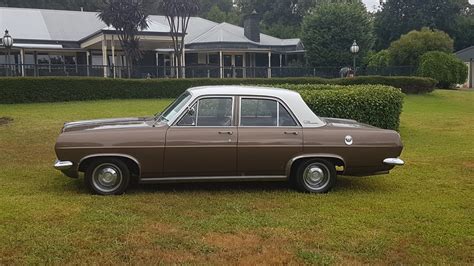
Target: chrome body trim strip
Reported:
[(211, 178), (63, 165), (312, 155), (111, 155), (394, 161)]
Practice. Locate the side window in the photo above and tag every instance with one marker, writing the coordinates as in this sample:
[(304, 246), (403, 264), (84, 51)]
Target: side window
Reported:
[(258, 113), (214, 112), (209, 112), (285, 119)]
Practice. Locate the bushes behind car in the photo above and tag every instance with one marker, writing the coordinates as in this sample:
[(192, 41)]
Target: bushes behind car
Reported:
[(446, 68), (376, 105), (57, 89)]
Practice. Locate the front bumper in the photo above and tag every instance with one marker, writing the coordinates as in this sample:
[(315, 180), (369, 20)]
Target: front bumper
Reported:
[(394, 161), (67, 168), (63, 165)]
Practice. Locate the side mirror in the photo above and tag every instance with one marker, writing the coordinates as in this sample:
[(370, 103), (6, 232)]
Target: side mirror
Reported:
[(191, 111)]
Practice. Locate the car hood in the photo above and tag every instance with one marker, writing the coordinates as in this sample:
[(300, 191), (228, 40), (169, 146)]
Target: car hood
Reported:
[(346, 123), (116, 123)]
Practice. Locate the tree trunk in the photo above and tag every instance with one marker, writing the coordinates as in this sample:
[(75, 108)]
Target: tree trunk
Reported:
[(180, 65), (129, 66)]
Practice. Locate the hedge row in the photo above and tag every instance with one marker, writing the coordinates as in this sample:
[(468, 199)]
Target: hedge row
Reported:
[(376, 105), (55, 89)]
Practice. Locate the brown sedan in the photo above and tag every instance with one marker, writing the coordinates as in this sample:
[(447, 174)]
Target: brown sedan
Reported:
[(226, 133)]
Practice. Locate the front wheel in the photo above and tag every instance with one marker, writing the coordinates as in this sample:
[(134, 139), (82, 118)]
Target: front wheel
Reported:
[(316, 176), (107, 177)]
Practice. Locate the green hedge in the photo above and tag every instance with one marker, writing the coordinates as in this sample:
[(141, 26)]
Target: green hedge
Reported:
[(55, 89), (375, 105), (408, 85), (446, 68)]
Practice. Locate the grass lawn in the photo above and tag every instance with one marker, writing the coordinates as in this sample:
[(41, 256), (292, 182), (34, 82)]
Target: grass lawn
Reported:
[(420, 213)]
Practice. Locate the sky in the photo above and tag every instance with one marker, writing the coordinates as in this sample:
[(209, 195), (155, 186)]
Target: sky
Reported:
[(373, 4)]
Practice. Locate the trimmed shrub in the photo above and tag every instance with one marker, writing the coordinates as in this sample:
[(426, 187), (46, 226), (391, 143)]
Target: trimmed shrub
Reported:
[(446, 68), (408, 85), (375, 105), (57, 89)]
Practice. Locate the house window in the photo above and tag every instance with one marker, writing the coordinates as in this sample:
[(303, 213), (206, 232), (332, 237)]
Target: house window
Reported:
[(214, 59)]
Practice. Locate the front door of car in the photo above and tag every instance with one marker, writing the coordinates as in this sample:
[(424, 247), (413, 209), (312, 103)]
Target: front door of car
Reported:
[(269, 136), (203, 142)]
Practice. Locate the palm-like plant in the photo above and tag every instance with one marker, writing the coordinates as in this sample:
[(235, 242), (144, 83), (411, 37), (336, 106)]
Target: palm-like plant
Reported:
[(128, 17), (178, 13)]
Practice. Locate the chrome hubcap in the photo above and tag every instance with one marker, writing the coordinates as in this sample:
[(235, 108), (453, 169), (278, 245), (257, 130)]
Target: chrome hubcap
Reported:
[(107, 177), (316, 175)]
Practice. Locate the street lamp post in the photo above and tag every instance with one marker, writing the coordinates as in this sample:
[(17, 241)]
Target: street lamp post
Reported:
[(355, 50), (8, 44)]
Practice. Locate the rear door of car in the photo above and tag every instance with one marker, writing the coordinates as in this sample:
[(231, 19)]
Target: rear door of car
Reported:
[(203, 141), (269, 136)]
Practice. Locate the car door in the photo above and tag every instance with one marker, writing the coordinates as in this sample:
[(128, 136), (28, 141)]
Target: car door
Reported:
[(269, 136), (203, 142)]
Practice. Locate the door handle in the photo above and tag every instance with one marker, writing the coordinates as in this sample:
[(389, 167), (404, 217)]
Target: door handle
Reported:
[(226, 132), (291, 133)]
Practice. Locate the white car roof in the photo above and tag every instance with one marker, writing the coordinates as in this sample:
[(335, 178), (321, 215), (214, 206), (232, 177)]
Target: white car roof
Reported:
[(292, 99)]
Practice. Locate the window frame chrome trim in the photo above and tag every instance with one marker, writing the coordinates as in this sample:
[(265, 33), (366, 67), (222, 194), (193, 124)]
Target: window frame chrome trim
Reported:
[(279, 101), (196, 101)]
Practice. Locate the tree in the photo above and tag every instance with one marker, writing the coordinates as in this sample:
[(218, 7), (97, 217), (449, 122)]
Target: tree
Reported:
[(446, 68), (379, 59), (219, 16), (178, 14), (330, 30), (463, 35), (225, 6), (128, 18), (410, 47), (216, 15), (399, 17), (87, 5)]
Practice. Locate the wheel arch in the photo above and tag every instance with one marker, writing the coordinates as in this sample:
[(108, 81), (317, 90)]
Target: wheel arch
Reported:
[(131, 162), (335, 159)]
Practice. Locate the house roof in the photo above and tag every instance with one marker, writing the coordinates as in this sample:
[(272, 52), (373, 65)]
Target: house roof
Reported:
[(58, 26), (229, 33), (48, 25), (466, 54)]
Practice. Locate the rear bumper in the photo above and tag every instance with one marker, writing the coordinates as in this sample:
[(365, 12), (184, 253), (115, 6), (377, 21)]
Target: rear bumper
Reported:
[(394, 161)]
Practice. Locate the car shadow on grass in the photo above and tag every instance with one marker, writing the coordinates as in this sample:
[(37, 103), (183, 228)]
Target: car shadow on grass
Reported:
[(212, 187), (344, 184), (352, 184)]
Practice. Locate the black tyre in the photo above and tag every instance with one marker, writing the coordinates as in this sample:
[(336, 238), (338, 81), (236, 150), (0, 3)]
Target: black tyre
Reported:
[(316, 176), (107, 176)]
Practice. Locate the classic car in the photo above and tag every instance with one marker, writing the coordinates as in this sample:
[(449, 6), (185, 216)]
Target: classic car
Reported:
[(226, 133)]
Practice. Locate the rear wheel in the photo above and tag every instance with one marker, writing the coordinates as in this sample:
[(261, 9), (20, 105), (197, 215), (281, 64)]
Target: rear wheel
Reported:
[(107, 177), (316, 176)]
